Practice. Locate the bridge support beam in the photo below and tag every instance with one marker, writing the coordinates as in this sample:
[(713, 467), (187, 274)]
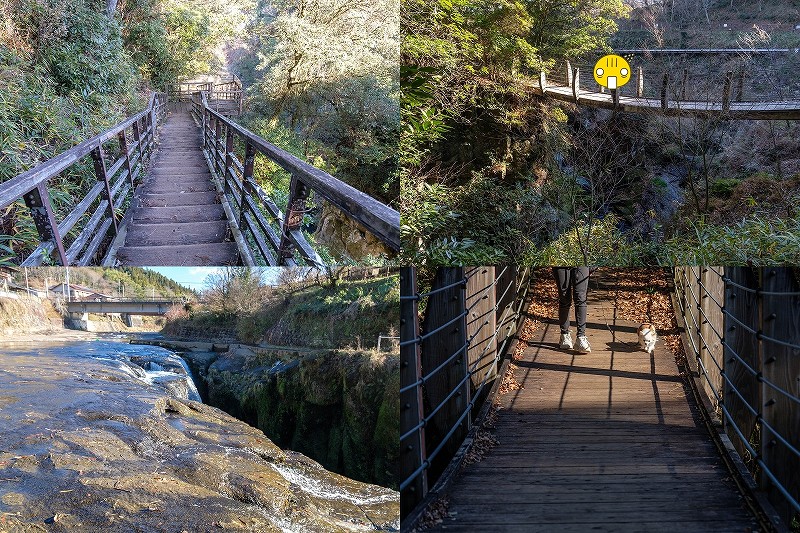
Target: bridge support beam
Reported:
[(79, 321), (132, 320)]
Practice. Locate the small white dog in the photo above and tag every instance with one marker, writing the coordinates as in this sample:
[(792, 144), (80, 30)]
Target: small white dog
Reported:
[(647, 337)]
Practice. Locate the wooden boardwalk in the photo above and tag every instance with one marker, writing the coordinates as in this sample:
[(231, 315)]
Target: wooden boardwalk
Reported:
[(177, 217), (786, 110), (607, 441)]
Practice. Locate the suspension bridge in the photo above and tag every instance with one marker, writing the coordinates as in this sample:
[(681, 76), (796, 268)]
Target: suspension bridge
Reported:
[(727, 103), (182, 183), (503, 431)]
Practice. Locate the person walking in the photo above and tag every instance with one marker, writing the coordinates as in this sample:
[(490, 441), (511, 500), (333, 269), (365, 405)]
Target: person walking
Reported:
[(573, 284)]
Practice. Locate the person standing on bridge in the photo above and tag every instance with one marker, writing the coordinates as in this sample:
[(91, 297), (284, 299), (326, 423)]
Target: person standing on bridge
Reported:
[(573, 284)]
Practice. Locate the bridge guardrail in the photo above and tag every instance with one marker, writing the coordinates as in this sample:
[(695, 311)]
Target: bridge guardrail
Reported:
[(742, 85), (114, 184), (254, 210), (743, 330), (451, 340)]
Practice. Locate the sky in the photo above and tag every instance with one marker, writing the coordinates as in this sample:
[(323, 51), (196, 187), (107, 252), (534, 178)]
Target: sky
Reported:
[(194, 277)]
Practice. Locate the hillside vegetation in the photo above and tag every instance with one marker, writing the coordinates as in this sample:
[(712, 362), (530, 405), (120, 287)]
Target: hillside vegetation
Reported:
[(349, 314)]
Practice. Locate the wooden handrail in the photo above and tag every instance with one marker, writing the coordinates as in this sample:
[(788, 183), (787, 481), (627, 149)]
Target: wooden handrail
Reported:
[(254, 205), (114, 184)]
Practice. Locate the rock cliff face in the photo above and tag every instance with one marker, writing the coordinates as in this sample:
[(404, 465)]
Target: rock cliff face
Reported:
[(90, 449), (339, 407)]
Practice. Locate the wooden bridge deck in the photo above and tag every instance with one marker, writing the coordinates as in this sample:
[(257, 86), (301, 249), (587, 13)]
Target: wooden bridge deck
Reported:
[(606, 441), (177, 217), (786, 110)]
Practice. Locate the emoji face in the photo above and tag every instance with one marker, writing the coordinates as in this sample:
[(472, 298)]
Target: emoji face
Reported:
[(612, 71)]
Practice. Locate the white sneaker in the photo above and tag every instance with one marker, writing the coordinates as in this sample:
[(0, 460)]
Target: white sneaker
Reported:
[(566, 341), (583, 344)]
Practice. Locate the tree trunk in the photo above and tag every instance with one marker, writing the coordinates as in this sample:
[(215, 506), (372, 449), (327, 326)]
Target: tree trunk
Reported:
[(111, 7)]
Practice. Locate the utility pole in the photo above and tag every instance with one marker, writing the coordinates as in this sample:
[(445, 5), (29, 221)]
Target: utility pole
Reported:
[(69, 291)]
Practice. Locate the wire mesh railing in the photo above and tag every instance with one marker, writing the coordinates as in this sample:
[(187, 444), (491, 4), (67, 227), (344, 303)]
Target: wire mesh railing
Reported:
[(451, 340), (743, 329)]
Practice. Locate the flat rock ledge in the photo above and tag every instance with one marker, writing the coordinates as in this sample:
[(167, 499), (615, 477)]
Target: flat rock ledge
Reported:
[(91, 449)]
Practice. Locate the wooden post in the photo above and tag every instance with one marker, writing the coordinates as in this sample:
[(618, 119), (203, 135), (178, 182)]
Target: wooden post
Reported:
[(204, 123), (711, 321), (137, 136), (218, 145), (576, 84), (38, 201), (744, 306), (247, 177), (684, 82), (506, 296), (640, 83), (481, 324), (105, 193), (293, 219), (412, 449), (781, 321), (442, 308), (740, 86), (227, 177), (542, 81), (664, 84), (123, 148), (726, 92), (569, 74)]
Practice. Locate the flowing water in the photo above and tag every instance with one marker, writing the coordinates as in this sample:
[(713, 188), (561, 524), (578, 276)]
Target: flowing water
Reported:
[(151, 365)]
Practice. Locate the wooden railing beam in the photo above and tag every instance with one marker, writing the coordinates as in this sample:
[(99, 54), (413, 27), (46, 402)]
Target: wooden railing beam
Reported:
[(100, 172), (293, 220), (38, 201)]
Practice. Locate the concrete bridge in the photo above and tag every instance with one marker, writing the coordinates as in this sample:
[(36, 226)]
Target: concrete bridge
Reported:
[(130, 311)]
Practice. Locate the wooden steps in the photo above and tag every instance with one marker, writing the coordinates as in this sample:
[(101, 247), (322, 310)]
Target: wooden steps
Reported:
[(177, 217)]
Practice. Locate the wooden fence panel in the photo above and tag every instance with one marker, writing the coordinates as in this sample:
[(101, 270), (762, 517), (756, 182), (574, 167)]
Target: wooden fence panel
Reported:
[(506, 295), (712, 296), (412, 449), (781, 320), (481, 323), (744, 306), (442, 307)]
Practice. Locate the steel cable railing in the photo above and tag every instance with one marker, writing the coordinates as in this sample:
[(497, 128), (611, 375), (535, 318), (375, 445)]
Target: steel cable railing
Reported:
[(750, 367), (449, 358)]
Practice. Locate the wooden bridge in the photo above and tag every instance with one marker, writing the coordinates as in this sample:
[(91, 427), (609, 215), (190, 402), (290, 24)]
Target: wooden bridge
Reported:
[(179, 187), (503, 431), (727, 105)]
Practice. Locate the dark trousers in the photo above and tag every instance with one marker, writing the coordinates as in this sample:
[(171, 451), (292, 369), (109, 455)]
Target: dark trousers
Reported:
[(572, 286)]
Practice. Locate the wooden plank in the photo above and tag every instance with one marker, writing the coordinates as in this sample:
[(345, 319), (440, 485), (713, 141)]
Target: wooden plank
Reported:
[(442, 308), (781, 366), (481, 324), (744, 307), (412, 449)]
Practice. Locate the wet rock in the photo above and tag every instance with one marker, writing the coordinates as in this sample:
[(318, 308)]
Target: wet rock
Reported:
[(91, 454)]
